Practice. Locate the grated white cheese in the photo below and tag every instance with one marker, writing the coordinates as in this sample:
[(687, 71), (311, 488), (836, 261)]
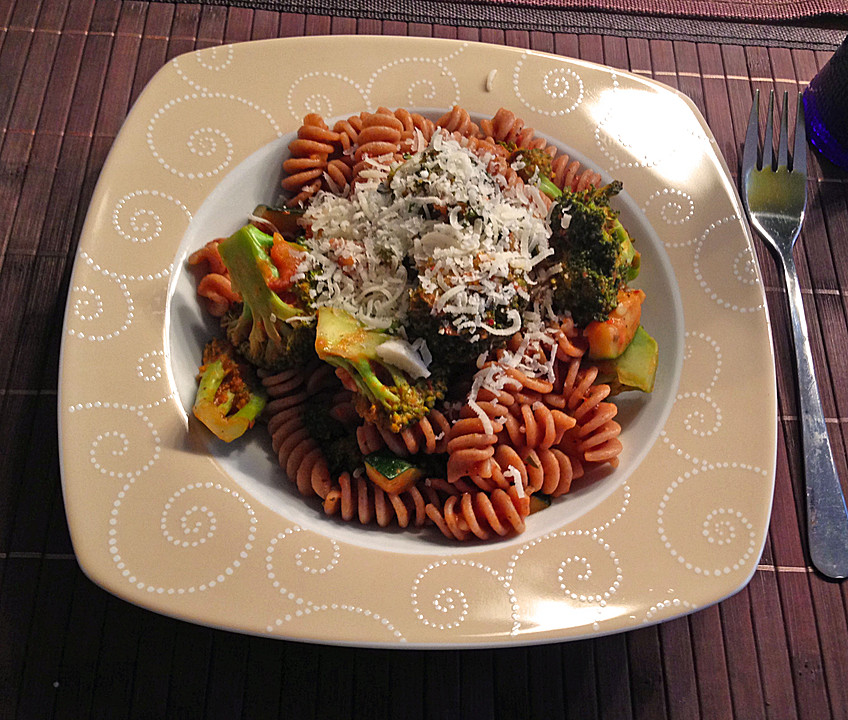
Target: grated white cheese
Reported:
[(472, 244), (514, 473)]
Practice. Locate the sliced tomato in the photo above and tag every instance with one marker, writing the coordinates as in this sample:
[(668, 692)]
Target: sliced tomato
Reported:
[(286, 260)]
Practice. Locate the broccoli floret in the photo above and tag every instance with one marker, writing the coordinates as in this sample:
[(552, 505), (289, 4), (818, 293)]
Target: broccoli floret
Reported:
[(594, 254), (444, 341), (340, 447), (387, 395), (259, 329), (225, 402), (537, 166)]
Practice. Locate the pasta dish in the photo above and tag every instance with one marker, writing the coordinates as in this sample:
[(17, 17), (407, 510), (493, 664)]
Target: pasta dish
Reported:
[(431, 323)]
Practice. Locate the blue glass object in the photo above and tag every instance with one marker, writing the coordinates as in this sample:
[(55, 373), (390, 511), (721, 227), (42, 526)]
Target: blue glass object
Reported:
[(826, 108)]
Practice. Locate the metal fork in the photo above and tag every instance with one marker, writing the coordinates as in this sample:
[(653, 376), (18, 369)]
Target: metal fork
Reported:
[(775, 197)]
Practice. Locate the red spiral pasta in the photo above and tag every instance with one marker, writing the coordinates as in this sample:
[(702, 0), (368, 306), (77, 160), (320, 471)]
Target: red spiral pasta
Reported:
[(214, 286), (358, 499), (309, 152), (297, 452), (480, 514)]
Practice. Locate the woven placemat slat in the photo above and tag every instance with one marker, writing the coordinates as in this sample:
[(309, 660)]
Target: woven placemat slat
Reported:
[(292, 25), (16, 275), (688, 70), (37, 477), (716, 101), (227, 676), (804, 650), (263, 684), (17, 607), (116, 658), (615, 53), (830, 610), (740, 652), (239, 25), (578, 677), (679, 668), (152, 676), (210, 29), (183, 34), (265, 24), (30, 96), (7, 7), (611, 670), (711, 662), (81, 649), (772, 650), (154, 46), (662, 62), (44, 648), (117, 89), (16, 424), (647, 681), (52, 15)]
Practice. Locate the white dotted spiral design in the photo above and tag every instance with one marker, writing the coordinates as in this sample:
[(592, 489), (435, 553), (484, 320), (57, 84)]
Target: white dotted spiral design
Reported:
[(149, 367), (699, 414), (124, 442), (445, 606), (188, 526), (670, 137), (204, 68), (100, 309), (424, 79), (575, 564), (674, 207), (147, 221), (562, 86), (718, 539), (668, 609), (712, 269), (191, 150), (703, 359), (323, 93), (288, 553), (313, 611)]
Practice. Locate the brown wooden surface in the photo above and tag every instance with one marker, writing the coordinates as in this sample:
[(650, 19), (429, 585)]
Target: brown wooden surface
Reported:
[(69, 71)]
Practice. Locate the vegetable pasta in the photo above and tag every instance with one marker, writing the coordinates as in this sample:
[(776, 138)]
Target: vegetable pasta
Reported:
[(438, 313)]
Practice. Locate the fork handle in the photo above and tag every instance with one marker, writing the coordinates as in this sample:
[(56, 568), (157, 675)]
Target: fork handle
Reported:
[(827, 517)]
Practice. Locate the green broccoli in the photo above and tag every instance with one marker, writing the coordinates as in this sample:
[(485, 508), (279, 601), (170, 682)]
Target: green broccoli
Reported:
[(444, 341), (593, 252), (340, 447), (387, 396), (225, 402), (259, 329), (537, 166)]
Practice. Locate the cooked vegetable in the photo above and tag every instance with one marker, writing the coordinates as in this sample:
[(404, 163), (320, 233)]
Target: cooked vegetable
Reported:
[(536, 167), (387, 395), (260, 329), (271, 219), (392, 473), (635, 368), (610, 338), (538, 502), (594, 256), (225, 402)]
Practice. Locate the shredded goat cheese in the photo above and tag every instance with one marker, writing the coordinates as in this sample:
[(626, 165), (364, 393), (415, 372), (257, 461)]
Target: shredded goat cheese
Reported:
[(471, 243)]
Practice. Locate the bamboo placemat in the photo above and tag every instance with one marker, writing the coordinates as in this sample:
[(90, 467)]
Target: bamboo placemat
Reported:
[(69, 71)]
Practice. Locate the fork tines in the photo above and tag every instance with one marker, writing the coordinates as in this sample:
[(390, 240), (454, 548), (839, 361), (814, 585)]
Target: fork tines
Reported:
[(750, 155)]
